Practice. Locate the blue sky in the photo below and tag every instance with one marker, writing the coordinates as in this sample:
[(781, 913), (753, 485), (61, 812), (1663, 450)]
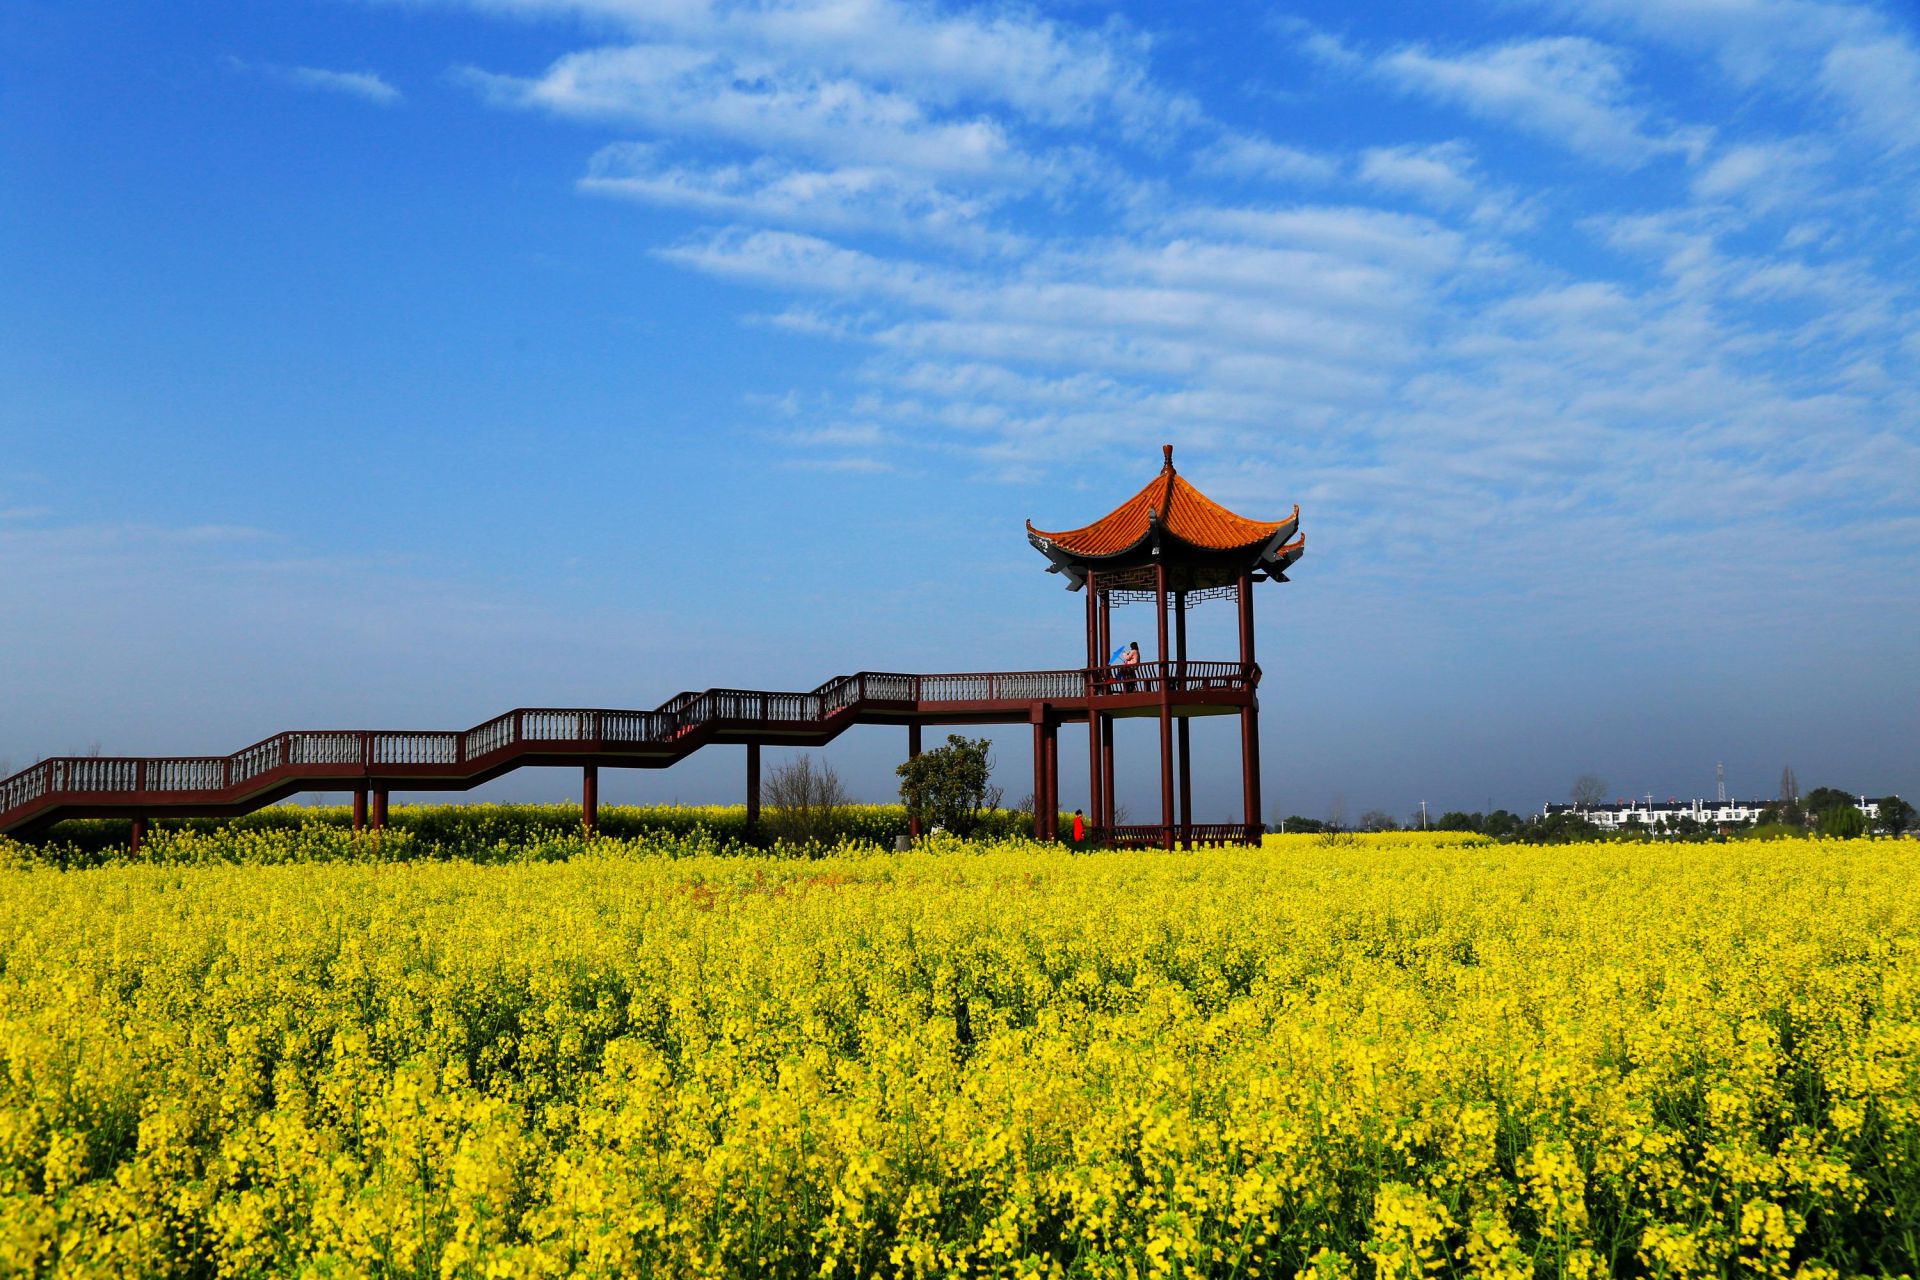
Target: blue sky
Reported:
[(390, 365)]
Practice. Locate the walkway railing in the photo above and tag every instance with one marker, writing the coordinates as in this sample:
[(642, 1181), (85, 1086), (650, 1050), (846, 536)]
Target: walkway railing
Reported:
[(1197, 833), (672, 729)]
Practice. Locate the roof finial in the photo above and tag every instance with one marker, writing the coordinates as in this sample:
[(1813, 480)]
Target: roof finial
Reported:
[(1167, 450)]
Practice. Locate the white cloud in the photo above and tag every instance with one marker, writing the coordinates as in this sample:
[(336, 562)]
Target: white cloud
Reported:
[(358, 84), (1854, 55), (1567, 89), (368, 86), (1440, 174), (1043, 70), (1242, 155), (688, 92), (1403, 240), (767, 189), (1751, 39), (1879, 82)]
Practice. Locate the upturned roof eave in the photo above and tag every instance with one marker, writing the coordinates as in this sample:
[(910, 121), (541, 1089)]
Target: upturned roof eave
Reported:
[(1265, 545)]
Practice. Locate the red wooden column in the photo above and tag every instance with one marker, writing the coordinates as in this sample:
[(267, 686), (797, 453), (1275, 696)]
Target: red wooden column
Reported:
[(590, 798), (379, 808), (136, 836), (1107, 819), (1166, 707), (1050, 730), (1104, 816), (1096, 669), (913, 753), (1186, 764), (753, 791), (359, 809), (1039, 777), (1249, 717)]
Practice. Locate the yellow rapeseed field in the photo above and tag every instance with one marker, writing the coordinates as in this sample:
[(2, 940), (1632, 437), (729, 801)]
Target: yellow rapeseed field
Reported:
[(1401, 1056)]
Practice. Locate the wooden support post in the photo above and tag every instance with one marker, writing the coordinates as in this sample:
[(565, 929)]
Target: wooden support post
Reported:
[(1096, 671), (1096, 769), (1182, 726), (1180, 634), (1106, 777), (1249, 718), (753, 792), (1053, 779), (379, 808), (1093, 620), (913, 753), (1105, 805), (1184, 741), (1166, 707), (359, 809), (1106, 628), (590, 798), (137, 835), (1039, 779)]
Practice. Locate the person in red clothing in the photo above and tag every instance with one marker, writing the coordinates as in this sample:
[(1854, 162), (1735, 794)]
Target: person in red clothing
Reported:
[(1131, 658), (1079, 828)]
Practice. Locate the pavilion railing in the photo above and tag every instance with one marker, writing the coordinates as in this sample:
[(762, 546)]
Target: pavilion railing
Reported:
[(1176, 676)]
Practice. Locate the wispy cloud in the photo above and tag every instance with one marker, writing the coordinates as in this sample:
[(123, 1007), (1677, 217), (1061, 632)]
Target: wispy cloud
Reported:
[(358, 84), (1852, 55), (1879, 82), (689, 92), (771, 190), (1566, 89), (1242, 155), (1041, 70), (368, 86)]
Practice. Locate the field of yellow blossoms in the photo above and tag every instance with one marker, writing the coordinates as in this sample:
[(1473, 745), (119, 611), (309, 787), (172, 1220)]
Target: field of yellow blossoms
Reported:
[(1401, 1056)]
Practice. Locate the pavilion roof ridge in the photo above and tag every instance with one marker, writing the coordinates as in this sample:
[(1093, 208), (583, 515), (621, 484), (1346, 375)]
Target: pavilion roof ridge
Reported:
[(1178, 510)]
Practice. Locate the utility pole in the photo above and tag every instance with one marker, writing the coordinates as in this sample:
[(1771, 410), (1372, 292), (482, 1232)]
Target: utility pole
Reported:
[(1423, 815)]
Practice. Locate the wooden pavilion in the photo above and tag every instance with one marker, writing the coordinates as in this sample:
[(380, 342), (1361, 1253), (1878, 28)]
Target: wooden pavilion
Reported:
[(1169, 546)]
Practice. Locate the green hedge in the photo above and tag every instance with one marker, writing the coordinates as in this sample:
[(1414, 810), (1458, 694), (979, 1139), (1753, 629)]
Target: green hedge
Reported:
[(481, 832)]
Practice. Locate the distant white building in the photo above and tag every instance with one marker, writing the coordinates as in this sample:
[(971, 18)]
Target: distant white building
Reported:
[(1648, 814)]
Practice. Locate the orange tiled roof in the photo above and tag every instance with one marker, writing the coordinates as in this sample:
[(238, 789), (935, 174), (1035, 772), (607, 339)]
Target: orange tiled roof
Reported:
[(1183, 511)]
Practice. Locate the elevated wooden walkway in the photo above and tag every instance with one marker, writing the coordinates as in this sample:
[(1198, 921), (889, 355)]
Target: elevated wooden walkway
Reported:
[(377, 761)]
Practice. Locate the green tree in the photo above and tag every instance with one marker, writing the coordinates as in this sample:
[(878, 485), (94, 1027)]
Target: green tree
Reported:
[(1842, 821), (1896, 815), (1821, 799), (1500, 824), (1454, 820), (951, 786), (1561, 828)]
